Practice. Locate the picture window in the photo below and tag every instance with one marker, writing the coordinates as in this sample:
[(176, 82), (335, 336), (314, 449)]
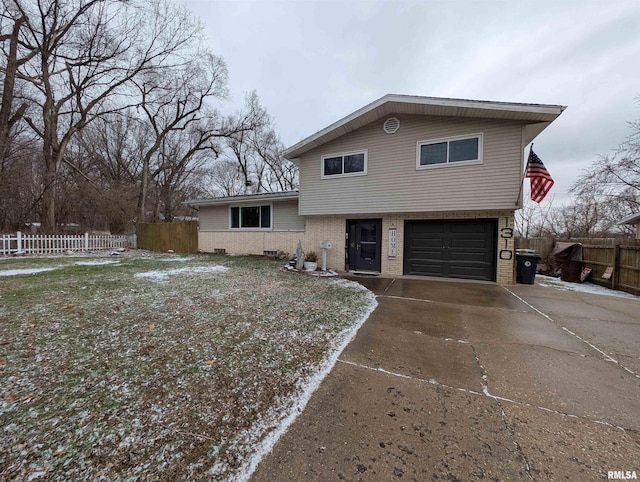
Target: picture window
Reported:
[(250, 217)]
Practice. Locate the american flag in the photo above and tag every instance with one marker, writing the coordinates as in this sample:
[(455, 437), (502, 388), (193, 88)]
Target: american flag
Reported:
[(541, 181)]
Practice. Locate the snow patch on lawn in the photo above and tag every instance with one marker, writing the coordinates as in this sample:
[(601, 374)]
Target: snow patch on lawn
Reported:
[(557, 283), (176, 259), (162, 275), (16, 272), (96, 262), (340, 343)]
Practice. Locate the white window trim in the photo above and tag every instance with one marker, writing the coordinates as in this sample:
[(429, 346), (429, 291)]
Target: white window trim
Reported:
[(343, 154), (250, 206), (479, 136)]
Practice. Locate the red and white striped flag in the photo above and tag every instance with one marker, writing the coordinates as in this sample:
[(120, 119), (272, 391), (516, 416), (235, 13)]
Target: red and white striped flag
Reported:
[(541, 181)]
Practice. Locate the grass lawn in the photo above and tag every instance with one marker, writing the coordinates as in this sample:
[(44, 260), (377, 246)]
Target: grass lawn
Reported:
[(157, 367)]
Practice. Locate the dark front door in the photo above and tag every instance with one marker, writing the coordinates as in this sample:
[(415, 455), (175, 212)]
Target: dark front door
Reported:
[(364, 244)]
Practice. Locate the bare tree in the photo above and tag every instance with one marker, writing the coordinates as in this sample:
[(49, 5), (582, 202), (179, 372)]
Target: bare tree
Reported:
[(256, 152), (276, 172), (238, 146), (584, 218), (224, 179), (19, 182), (112, 147), (87, 51), (9, 117), (118, 94), (183, 153), (175, 104), (613, 181), (533, 219), (107, 172)]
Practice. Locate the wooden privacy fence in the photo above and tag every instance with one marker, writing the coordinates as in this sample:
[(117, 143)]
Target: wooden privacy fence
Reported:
[(178, 237), (623, 255), (20, 243)]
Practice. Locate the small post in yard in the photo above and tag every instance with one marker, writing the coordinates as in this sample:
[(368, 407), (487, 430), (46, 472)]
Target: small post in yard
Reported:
[(325, 245), (615, 279), (19, 242), (86, 241), (299, 256)]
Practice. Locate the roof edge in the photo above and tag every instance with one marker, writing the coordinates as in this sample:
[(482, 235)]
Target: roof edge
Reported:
[(549, 109), (631, 219), (267, 196)]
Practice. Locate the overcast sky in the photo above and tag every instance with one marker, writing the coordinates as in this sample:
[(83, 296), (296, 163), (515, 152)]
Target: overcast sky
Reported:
[(314, 62)]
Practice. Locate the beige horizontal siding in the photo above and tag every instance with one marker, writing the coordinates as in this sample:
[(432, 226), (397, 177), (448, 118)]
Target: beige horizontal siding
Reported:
[(214, 218), (284, 213), (393, 184), (285, 217)]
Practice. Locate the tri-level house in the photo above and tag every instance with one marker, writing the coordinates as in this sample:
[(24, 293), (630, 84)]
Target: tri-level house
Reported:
[(406, 185)]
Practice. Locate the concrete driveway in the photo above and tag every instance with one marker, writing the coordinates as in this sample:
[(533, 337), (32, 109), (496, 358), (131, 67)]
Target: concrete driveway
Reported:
[(465, 381)]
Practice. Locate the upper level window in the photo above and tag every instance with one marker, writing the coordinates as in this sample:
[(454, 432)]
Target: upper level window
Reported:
[(450, 150), (255, 217), (347, 164)]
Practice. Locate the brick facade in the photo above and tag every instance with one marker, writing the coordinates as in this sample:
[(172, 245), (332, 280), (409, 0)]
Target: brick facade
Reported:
[(333, 228)]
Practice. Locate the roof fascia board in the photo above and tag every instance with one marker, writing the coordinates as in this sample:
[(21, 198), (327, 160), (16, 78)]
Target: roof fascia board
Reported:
[(243, 199), (477, 104), (552, 110), (632, 219), (337, 124)]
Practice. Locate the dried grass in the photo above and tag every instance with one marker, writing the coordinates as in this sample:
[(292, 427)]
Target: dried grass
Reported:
[(107, 373)]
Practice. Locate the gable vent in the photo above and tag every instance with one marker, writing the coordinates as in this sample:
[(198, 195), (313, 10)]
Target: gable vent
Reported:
[(391, 125)]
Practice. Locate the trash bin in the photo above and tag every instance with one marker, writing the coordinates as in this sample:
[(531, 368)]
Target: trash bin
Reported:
[(526, 263), (571, 271)]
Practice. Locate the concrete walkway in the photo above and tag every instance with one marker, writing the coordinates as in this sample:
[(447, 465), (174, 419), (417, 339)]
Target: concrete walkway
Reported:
[(467, 381)]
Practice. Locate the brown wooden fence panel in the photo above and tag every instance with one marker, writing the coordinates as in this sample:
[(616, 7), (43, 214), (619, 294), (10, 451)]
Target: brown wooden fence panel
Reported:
[(623, 255), (162, 237), (629, 266), (598, 254), (542, 246)]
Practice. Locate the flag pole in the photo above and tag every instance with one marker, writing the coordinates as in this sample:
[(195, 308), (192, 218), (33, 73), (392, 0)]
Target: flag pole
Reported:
[(524, 173)]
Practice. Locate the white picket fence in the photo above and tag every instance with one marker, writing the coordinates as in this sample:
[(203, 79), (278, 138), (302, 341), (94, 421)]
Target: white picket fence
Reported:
[(21, 243)]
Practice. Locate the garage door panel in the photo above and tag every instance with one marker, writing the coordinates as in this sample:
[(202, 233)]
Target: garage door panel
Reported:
[(427, 268), (434, 252), (466, 256), (479, 244), (429, 229), (422, 243), (474, 250), (459, 249), (466, 227), (466, 272)]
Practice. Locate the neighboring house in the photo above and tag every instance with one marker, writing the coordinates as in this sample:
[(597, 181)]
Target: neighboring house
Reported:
[(406, 185), (633, 220)]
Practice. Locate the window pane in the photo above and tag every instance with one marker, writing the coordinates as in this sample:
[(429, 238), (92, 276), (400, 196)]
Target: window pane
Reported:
[(463, 150), (354, 163), (265, 216), (251, 217), (433, 154), (332, 165), (235, 217), (368, 233)]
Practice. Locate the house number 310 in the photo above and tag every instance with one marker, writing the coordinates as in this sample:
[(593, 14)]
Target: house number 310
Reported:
[(506, 233)]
